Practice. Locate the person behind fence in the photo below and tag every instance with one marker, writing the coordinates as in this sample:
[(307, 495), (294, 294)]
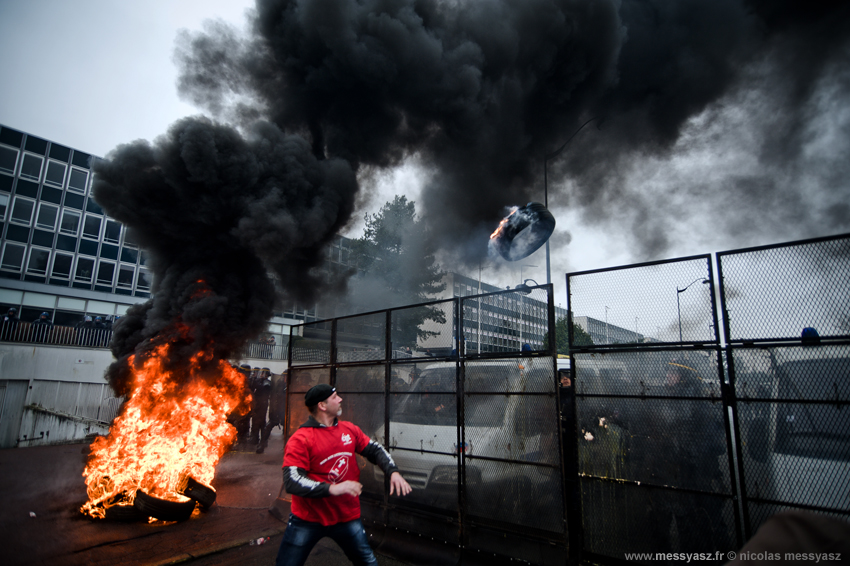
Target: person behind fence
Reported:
[(260, 390), (41, 327), (240, 417), (85, 331), (99, 332), (277, 409), (321, 474), (689, 438), (397, 384), (10, 324)]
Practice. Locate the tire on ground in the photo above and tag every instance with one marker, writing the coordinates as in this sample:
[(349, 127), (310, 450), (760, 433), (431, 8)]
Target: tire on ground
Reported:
[(162, 509), (203, 494)]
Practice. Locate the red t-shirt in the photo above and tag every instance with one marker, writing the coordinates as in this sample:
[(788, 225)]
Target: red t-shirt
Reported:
[(327, 453)]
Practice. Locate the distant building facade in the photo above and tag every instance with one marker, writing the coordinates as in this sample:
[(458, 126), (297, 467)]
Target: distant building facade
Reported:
[(502, 323)]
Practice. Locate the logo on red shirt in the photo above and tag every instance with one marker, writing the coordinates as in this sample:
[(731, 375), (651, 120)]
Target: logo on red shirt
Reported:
[(346, 438), (338, 470)]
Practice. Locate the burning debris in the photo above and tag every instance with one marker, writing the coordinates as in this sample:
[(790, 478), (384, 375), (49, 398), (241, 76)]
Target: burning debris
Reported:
[(523, 231), (171, 431)]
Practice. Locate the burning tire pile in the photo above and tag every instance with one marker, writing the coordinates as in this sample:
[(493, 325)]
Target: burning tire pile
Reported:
[(146, 506)]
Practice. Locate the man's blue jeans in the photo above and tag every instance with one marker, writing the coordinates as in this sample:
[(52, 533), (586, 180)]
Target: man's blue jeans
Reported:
[(301, 536)]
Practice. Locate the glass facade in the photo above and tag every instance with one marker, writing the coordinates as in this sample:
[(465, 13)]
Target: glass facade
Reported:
[(55, 241), (44, 188)]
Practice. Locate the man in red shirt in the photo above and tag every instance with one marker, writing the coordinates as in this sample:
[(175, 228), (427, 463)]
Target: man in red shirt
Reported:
[(321, 474)]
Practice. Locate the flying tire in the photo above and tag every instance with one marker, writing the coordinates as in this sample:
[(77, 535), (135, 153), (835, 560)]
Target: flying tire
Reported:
[(523, 232)]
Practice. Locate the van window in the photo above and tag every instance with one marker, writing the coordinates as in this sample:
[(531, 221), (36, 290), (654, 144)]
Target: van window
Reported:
[(814, 430), (432, 402)]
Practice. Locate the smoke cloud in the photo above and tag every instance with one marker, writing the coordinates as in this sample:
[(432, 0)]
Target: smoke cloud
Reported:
[(707, 110), (217, 212), (481, 91)]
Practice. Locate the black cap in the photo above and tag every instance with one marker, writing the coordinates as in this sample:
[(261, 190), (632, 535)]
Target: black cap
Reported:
[(318, 393)]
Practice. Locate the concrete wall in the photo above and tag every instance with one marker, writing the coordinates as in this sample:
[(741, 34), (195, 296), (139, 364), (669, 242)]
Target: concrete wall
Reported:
[(61, 363), (41, 426), (58, 394)]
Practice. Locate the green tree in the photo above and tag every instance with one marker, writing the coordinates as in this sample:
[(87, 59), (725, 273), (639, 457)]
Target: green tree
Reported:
[(562, 337), (397, 267)]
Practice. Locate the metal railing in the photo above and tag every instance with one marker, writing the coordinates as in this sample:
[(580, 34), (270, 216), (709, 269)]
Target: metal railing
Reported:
[(49, 334), (54, 335)]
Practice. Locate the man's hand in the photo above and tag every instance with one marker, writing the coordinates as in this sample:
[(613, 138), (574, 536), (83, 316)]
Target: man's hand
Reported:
[(346, 488), (399, 484)]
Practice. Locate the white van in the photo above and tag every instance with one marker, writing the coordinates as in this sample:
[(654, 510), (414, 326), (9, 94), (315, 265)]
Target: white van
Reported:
[(511, 439), (799, 452)]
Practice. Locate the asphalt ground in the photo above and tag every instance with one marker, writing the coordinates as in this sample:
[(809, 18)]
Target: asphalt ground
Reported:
[(42, 490)]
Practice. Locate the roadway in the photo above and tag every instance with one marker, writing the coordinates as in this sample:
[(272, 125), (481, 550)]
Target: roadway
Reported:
[(42, 489)]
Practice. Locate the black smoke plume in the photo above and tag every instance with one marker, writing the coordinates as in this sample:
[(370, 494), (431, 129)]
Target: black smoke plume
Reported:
[(218, 213), (481, 90)]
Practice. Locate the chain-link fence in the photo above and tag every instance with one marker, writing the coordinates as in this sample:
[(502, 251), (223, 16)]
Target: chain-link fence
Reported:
[(681, 430), (788, 329), (462, 393), (686, 444), (651, 439)]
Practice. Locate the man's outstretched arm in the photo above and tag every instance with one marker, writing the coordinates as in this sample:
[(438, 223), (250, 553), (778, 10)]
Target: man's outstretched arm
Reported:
[(376, 454)]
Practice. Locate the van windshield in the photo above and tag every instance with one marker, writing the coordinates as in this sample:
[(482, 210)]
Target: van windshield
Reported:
[(815, 430), (435, 388)]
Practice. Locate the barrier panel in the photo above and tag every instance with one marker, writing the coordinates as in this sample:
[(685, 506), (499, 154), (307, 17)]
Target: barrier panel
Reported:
[(473, 428), (681, 428)]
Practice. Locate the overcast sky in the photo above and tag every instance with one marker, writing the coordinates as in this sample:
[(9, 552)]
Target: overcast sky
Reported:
[(93, 74)]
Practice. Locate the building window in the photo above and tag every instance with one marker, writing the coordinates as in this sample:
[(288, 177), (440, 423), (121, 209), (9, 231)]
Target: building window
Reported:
[(31, 167), (128, 239), (112, 233), (4, 203), (8, 159), (62, 266), (144, 282), (125, 276), (85, 269), (22, 210), (39, 260), (129, 255), (13, 257), (91, 227), (70, 222), (77, 180), (47, 214), (105, 273), (55, 173)]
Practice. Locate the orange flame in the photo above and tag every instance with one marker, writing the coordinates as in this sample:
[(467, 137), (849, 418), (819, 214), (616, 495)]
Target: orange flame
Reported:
[(502, 224), (168, 430)]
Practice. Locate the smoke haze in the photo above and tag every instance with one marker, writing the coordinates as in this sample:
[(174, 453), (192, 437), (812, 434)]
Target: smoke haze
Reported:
[(481, 91)]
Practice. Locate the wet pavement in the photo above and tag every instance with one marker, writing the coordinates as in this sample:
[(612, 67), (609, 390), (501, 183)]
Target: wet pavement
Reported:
[(42, 489)]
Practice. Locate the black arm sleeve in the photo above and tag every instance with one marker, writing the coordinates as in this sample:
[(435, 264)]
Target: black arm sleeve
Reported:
[(296, 482), (376, 454)]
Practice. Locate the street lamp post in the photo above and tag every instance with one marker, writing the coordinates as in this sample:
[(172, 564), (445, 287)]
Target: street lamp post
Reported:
[(546, 159), (523, 290), (678, 304)]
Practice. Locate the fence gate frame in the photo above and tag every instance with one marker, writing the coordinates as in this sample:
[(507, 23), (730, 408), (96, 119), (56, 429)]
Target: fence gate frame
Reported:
[(453, 534)]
